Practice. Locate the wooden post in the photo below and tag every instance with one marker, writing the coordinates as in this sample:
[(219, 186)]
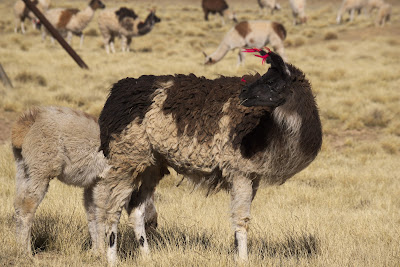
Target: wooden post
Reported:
[(4, 78), (55, 34)]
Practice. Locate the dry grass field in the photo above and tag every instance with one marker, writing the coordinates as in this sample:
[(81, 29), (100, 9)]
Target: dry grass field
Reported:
[(343, 210)]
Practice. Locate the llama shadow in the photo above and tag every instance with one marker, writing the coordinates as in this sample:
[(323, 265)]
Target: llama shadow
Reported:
[(297, 246), (163, 237), (292, 245), (45, 234)]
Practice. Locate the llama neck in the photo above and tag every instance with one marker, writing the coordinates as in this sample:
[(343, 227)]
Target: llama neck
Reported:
[(146, 26), (299, 115), (86, 15), (221, 51)]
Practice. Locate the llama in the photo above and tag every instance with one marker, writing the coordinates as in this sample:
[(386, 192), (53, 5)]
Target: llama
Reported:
[(269, 4), (70, 21), (124, 23), (383, 15), (220, 7), (374, 4), (353, 6), (21, 12), (58, 142), (223, 133), (298, 11), (253, 33)]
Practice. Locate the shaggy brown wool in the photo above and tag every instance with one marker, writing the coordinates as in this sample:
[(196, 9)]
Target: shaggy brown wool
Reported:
[(129, 99)]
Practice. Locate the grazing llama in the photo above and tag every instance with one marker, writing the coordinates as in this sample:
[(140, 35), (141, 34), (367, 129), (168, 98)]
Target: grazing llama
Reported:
[(253, 33)]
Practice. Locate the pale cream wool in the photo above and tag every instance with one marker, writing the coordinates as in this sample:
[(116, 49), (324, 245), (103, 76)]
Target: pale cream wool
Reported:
[(58, 142)]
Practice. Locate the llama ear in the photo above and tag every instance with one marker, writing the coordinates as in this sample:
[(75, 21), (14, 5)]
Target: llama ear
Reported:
[(204, 53), (278, 63)]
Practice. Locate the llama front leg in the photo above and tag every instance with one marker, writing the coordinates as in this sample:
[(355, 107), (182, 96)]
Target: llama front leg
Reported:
[(128, 44), (241, 57), (22, 27), (352, 14), (69, 37), (241, 198), (81, 42), (142, 205), (243, 192), (110, 195)]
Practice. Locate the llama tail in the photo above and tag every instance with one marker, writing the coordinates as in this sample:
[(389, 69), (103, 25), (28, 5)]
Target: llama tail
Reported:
[(22, 127), (280, 30)]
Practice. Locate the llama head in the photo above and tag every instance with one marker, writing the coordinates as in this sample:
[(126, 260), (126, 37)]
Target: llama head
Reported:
[(208, 60), (277, 6), (272, 89), (152, 18), (96, 4)]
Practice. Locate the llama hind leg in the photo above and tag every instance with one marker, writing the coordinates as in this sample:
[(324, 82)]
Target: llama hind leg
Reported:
[(90, 209), (30, 191)]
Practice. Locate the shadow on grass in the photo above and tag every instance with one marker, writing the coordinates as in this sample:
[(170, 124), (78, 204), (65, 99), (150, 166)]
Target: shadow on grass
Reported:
[(302, 245), (293, 245), (49, 232)]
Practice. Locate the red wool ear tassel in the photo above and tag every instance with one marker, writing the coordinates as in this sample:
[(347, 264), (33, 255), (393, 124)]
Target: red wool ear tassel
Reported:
[(243, 80), (264, 57)]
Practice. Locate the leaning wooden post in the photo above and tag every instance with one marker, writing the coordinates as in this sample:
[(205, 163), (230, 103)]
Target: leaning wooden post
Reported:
[(55, 34), (4, 78)]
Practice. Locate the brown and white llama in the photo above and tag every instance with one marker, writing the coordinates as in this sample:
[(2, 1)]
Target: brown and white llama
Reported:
[(222, 133), (220, 7), (58, 142), (69, 21), (253, 33), (124, 23)]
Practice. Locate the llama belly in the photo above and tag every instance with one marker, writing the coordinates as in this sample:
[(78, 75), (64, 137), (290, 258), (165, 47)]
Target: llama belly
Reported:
[(83, 169)]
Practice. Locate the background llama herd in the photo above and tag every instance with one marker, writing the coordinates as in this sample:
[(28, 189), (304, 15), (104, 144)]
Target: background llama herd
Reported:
[(125, 23)]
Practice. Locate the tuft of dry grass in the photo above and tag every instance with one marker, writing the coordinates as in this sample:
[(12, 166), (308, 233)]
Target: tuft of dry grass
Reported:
[(28, 77), (330, 36)]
